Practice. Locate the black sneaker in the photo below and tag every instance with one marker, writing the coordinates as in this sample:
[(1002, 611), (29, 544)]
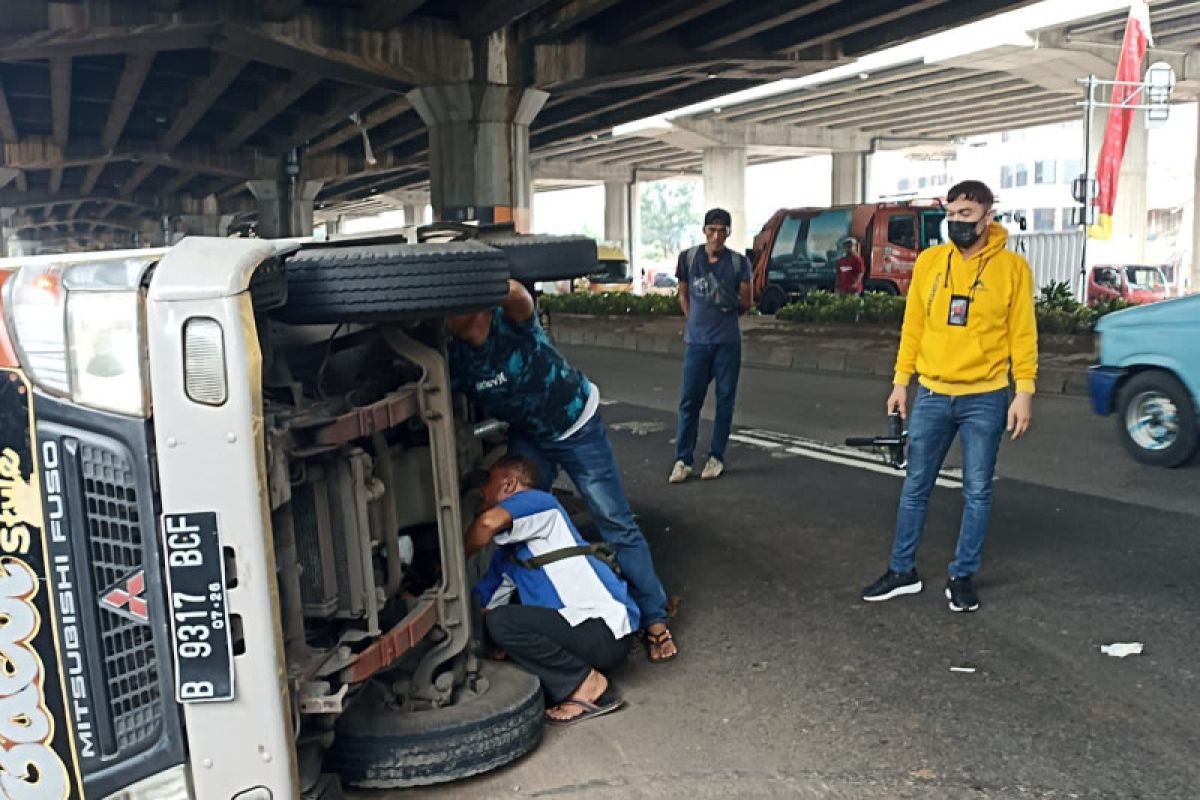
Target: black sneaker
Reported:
[(961, 594), (892, 584)]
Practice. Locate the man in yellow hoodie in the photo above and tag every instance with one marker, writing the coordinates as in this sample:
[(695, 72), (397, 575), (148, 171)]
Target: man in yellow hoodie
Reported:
[(968, 320)]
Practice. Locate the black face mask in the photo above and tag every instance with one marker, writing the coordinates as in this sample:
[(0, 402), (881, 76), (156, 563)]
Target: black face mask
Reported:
[(962, 233)]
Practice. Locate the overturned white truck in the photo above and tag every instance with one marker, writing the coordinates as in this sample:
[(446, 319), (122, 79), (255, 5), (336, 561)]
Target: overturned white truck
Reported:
[(232, 489)]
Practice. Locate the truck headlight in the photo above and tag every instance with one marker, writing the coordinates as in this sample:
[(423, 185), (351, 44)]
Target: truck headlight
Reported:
[(78, 330), (170, 784)]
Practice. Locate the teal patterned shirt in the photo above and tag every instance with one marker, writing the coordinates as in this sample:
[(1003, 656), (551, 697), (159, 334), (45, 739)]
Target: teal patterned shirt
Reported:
[(518, 377)]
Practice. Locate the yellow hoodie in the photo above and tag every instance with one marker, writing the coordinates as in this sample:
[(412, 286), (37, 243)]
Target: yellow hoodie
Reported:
[(1001, 326)]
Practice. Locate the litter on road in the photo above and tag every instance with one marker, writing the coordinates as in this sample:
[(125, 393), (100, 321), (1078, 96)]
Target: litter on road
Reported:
[(1121, 649)]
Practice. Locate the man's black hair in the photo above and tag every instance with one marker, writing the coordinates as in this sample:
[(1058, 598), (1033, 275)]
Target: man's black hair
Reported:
[(522, 467), (975, 191)]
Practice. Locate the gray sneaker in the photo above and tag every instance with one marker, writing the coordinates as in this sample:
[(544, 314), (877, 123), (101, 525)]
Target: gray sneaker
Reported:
[(679, 473), (713, 468)]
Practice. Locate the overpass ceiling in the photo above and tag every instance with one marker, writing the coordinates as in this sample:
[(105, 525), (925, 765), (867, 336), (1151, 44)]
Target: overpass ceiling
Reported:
[(999, 89), (113, 112), (1175, 25)]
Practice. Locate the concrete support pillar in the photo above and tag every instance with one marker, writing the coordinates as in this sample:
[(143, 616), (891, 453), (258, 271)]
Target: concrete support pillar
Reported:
[(616, 214), (847, 178), (725, 187), (479, 150), (6, 215), (285, 207), (1193, 285), (414, 214)]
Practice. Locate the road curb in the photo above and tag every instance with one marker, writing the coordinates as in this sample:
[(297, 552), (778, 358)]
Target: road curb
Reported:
[(598, 332)]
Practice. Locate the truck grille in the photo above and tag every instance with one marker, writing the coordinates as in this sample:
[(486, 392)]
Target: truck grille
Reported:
[(115, 543)]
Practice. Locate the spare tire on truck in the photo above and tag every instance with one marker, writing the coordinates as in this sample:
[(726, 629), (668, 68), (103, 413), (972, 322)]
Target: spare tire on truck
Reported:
[(378, 746), (391, 282), (546, 258)]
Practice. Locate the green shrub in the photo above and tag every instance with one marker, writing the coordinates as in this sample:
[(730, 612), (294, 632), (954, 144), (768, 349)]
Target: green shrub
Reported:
[(611, 303), (1058, 296), (872, 308), (1057, 310)]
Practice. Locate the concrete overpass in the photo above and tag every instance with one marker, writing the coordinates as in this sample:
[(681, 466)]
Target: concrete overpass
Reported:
[(939, 93), (118, 114)]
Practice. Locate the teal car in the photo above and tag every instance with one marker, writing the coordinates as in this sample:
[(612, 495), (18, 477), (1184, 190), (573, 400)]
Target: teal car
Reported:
[(1149, 378)]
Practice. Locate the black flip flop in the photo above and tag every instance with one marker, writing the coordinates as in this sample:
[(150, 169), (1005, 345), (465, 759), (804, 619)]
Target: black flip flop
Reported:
[(654, 640), (605, 705)]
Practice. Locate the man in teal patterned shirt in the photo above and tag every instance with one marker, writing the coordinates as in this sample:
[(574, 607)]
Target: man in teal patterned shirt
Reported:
[(504, 361)]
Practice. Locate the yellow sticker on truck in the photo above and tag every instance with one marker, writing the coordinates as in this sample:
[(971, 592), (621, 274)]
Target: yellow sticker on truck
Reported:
[(37, 750)]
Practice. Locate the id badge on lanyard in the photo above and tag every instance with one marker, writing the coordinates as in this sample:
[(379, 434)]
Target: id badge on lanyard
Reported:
[(960, 304), (960, 309)]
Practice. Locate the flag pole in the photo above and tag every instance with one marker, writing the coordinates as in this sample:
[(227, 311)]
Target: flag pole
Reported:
[(1090, 109)]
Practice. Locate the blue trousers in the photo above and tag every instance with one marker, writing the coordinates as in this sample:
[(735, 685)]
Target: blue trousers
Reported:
[(704, 364), (979, 420)]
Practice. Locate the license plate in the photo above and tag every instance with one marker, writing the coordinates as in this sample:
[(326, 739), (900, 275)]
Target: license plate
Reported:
[(199, 612)]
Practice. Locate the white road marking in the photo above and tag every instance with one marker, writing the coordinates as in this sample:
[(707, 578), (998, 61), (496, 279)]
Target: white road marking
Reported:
[(833, 454)]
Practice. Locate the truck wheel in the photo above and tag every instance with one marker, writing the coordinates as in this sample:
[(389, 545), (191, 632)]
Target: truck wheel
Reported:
[(379, 747), (773, 299), (1157, 419), (883, 287), (546, 258), (381, 283)]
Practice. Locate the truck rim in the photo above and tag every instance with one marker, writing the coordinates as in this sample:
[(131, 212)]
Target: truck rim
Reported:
[(1152, 421)]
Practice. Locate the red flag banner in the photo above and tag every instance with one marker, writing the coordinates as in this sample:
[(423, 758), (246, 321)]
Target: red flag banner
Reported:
[(1126, 93)]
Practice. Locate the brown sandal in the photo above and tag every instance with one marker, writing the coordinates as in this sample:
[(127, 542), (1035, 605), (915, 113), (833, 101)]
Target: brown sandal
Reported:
[(656, 642)]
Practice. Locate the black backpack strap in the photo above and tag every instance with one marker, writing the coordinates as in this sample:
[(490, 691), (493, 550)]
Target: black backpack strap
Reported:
[(600, 551)]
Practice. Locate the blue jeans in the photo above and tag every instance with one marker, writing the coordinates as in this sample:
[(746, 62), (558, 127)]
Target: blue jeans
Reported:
[(979, 420), (703, 364), (588, 458)]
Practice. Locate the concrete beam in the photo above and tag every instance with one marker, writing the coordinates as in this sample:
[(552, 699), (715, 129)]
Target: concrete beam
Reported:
[(8, 130), (310, 127), (60, 99), (773, 137), (276, 101), (26, 201), (133, 76), (558, 169), (422, 52), (380, 15), (480, 17), (557, 22), (661, 17), (39, 152), (205, 94), (373, 119), (82, 40), (404, 198), (579, 64)]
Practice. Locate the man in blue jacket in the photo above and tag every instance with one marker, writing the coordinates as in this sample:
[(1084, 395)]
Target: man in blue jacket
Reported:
[(551, 602)]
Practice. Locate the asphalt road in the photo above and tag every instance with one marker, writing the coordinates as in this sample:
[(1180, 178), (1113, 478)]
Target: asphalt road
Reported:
[(788, 686)]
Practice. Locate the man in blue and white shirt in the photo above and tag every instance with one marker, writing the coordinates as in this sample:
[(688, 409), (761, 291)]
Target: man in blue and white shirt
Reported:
[(554, 608)]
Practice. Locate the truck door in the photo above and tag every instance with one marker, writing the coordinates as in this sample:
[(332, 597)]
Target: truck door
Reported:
[(894, 251)]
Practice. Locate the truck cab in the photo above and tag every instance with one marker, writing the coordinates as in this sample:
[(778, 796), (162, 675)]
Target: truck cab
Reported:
[(797, 249), (234, 482), (1138, 284)]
